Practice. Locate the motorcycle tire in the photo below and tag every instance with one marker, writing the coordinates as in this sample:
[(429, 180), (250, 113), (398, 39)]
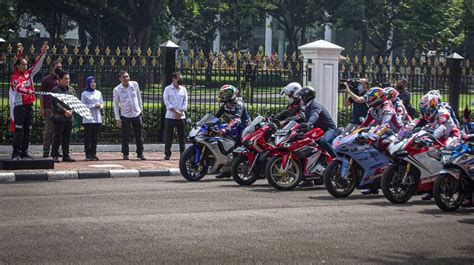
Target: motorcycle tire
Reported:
[(443, 185), (391, 175), (243, 178), (272, 171), (186, 162), (330, 172)]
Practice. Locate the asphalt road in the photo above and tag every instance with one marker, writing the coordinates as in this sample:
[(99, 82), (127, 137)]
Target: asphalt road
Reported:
[(168, 220)]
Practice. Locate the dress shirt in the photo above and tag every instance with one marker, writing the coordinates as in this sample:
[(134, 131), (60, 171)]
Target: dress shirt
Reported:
[(177, 99), (129, 99)]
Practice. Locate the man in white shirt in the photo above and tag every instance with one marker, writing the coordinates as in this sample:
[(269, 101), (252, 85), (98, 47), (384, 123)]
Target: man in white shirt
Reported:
[(176, 101), (128, 107)]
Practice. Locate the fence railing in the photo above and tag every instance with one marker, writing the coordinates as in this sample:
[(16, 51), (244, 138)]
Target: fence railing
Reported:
[(258, 77)]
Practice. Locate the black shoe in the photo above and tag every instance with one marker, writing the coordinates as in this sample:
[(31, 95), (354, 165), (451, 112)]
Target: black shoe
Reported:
[(16, 157), (370, 191), (125, 157), (95, 158), (68, 159), (89, 158), (141, 156), (27, 156), (167, 157), (224, 175), (46, 154), (306, 183), (60, 155), (427, 197), (56, 159)]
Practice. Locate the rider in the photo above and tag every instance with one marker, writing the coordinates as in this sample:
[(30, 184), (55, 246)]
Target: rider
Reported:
[(437, 118), (234, 109), (382, 113), (317, 116), (392, 95), (295, 111)]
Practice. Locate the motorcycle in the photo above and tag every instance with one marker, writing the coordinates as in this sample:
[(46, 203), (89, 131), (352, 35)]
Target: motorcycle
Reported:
[(250, 158), (357, 164), (298, 157), (455, 181), (416, 161), (210, 152)]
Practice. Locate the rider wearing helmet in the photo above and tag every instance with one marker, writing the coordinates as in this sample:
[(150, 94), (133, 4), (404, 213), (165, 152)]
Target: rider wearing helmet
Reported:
[(295, 111), (393, 95), (234, 109), (381, 112), (317, 116), (445, 105), (438, 119)]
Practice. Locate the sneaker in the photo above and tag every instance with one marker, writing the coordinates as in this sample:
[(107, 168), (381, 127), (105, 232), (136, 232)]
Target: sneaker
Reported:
[(370, 191), (56, 159), (167, 158), (27, 156), (427, 197), (125, 157), (89, 158), (68, 159), (224, 175), (16, 157), (95, 158), (141, 156)]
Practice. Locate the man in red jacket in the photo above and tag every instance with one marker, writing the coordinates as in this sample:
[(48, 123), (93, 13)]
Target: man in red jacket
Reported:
[(22, 99)]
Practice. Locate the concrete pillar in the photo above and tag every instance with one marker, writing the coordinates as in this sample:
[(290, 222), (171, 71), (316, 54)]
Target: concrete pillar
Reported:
[(281, 45), (216, 45), (327, 32), (268, 35), (322, 58)]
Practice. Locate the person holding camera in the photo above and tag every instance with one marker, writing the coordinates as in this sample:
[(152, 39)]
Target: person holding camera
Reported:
[(357, 100)]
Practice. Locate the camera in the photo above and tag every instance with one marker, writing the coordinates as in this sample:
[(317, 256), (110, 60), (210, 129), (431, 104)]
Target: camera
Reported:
[(352, 83)]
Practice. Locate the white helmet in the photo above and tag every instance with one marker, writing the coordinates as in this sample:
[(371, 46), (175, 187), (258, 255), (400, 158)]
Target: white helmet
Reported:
[(290, 90)]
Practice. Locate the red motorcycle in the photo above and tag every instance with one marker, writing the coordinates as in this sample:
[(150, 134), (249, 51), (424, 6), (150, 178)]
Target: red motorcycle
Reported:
[(250, 158), (298, 157)]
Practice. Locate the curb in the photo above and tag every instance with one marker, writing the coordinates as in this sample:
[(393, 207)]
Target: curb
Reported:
[(10, 177)]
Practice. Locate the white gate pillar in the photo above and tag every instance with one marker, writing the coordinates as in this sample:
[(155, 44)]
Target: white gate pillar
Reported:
[(322, 58)]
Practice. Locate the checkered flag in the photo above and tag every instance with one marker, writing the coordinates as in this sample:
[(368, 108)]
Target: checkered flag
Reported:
[(74, 103)]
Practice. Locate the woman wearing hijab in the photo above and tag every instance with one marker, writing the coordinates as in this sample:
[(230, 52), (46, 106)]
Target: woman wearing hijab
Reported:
[(92, 98)]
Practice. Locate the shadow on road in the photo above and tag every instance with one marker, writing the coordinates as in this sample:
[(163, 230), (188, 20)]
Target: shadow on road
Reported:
[(435, 211), (350, 198), (271, 189), (202, 180), (467, 221), (386, 203)]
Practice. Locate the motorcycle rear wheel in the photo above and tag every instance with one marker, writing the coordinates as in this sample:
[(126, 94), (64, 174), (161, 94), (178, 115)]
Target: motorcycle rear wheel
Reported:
[(448, 192), (283, 180), (240, 172), (334, 182), (190, 170), (392, 188)]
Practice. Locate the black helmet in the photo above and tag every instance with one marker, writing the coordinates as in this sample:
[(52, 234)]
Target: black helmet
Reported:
[(306, 93)]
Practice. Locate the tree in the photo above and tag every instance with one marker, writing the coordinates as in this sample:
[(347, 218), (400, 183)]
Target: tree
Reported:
[(294, 17), (9, 22)]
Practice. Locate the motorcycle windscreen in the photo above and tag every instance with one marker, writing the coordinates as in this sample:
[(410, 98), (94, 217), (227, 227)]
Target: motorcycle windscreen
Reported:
[(206, 119), (252, 126)]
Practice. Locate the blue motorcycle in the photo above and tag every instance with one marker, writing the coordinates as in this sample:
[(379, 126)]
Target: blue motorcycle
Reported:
[(209, 152), (455, 183), (357, 164)]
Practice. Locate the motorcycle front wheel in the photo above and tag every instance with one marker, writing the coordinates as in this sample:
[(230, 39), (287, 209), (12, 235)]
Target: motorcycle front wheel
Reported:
[(283, 179), (392, 187), (337, 185), (189, 169), (448, 192), (240, 171)]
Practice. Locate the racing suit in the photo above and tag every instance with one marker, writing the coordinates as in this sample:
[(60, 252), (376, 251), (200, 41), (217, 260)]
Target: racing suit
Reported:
[(443, 126), (22, 97), (237, 114), (295, 111)]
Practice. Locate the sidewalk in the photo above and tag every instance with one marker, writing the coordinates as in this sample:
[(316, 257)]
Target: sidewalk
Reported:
[(110, 165)]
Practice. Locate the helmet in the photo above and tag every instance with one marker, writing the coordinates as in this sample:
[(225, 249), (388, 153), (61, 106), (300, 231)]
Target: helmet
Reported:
[(392, 93), (306, 93), (290, 90), (436, 94), (376, 96), (227, 93), (428, 106)]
